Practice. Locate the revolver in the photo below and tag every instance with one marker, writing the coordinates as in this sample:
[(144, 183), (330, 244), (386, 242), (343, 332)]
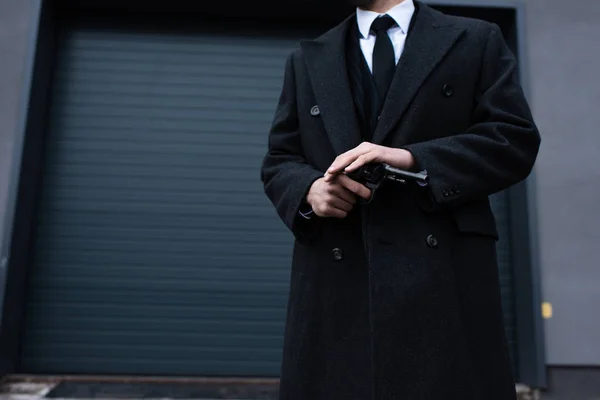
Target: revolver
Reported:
[(373, 175)]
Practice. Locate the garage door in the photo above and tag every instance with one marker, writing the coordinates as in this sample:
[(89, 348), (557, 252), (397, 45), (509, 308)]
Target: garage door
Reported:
[(156, 250), (500, 207)]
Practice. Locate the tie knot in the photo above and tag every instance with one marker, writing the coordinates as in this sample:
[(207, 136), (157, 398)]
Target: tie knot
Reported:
[(382, 24)]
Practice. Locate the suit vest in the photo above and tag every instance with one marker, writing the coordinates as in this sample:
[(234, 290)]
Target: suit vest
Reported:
[(364, 92)]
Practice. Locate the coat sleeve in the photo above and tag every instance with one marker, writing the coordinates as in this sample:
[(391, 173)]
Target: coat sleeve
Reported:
[(285, 172), (500, 146)]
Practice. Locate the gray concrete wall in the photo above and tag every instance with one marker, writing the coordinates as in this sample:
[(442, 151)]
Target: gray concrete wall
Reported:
[(564, 63), (15, 29), (563, 39)]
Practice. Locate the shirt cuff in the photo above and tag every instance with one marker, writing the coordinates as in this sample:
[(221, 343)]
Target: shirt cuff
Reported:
[(306, 211), (423, 184)]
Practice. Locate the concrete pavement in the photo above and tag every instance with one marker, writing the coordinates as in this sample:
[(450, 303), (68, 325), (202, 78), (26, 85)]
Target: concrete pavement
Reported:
[(38, 391)]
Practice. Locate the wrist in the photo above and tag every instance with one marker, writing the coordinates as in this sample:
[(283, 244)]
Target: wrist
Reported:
[(402, 159), (307, 203)]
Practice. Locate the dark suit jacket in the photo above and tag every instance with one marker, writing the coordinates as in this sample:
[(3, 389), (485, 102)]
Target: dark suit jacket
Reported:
[(401, 299)]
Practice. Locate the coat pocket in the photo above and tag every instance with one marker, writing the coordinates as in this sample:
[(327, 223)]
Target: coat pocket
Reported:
[(476, 218)]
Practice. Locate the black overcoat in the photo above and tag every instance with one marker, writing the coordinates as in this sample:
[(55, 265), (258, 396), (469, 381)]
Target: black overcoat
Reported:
[(401, 299)]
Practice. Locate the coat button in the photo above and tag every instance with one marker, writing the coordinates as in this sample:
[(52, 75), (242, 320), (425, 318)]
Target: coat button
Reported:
[(315, 111), (432, 242), (337, 254), (447, 90)]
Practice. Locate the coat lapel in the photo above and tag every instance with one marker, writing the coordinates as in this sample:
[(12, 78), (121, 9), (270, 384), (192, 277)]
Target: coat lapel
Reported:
[(428, 42), (327, 67)]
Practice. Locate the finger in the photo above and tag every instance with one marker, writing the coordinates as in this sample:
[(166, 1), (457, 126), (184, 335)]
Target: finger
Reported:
[(340, 214), (343, 193), (360, 161), (340, 204), (342, 162), (330, 211), (337, 213), (345, 159), (355, 187), (329, 177)]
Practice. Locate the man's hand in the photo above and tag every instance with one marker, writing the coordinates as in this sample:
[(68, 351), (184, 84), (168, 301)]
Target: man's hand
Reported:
[(336, 197), (367, 153)]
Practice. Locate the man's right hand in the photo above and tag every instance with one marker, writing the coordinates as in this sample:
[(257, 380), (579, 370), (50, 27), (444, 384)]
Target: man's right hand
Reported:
[(335, 198)]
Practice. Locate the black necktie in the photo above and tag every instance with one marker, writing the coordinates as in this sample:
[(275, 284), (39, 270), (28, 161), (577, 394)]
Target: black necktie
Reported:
[(384, 59)]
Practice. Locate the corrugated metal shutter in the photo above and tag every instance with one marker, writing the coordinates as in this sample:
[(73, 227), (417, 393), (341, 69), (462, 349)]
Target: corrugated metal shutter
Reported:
[(157, 251), (500, 206)]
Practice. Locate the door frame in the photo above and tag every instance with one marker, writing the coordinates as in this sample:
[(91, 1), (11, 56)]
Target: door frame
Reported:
[(26, 175)]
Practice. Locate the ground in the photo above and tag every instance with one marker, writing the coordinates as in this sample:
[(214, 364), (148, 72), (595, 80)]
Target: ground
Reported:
[(20, 390)]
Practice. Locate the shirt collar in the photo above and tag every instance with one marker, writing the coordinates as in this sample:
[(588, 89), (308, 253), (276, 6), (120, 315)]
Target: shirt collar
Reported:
[(401, 13)]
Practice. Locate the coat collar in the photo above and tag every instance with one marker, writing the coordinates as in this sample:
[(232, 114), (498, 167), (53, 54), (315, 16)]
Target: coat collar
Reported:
[(327, 67), (431, 37)]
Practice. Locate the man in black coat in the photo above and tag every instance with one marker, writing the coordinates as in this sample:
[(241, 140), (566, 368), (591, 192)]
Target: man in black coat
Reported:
[(398, 298)]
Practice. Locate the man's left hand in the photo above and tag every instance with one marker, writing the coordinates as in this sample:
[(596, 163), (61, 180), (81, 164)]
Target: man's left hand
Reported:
[(367, 153)]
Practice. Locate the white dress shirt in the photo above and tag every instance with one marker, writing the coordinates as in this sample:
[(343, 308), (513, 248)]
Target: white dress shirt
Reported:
[(401, 13)]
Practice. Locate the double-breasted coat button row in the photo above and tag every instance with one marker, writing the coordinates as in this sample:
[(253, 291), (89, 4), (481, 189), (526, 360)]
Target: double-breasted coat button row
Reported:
[(338, 255)]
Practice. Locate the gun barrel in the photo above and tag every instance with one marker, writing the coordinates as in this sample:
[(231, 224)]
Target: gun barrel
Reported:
[(406, 175)]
